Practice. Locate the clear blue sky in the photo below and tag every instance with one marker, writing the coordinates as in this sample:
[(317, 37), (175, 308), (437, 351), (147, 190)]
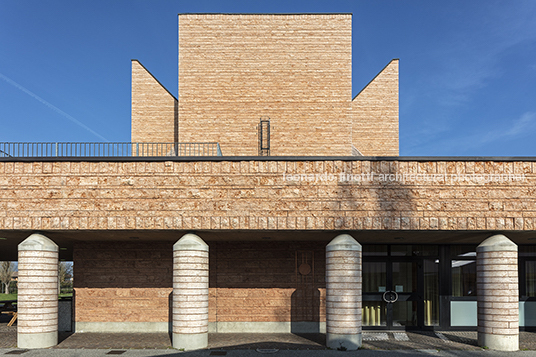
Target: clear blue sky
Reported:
[(467, 68)]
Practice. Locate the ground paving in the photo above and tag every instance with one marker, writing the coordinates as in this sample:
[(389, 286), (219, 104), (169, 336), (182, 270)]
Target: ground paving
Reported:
[(380, 341)]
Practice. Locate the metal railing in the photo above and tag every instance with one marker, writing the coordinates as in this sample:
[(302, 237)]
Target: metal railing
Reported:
[(72, 149)]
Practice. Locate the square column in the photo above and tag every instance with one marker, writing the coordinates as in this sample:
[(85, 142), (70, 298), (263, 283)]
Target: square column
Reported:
[(343, 293), (498, 294), (190, 293), (37, 302)]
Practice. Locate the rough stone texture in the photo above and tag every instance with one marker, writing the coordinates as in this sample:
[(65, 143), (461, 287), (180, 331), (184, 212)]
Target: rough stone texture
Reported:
[(375, 114), (294, 69), (190, 293), (154, 110), (343, 295), (123, 281), (498, 294), (232, 195), (37, 301)]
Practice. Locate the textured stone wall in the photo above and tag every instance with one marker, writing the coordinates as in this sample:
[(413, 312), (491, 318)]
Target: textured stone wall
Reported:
[(122, 281), (375, 115), (256, 195), (295, 69), (154, 109)]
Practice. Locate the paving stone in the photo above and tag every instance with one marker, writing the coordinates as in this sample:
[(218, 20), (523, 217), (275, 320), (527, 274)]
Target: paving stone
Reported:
[(408, 340)]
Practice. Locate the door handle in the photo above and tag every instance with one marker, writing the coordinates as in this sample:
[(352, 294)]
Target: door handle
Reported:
[(390, 297)]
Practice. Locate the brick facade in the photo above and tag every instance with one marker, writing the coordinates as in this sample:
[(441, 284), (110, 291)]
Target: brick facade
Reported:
[(375, 114), (122, 281), (295, 69), (231, 195), (292, 68), (154, 109), (135, 285)]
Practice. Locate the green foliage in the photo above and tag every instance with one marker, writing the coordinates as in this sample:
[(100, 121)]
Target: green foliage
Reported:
[(7, 270), (8, 297)]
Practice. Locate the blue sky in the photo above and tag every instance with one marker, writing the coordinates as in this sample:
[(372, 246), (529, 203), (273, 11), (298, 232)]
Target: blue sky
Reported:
[(467, 67)]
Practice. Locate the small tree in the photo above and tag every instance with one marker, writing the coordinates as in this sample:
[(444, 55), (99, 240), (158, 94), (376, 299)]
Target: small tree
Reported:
[(65, 275), (7, 270)]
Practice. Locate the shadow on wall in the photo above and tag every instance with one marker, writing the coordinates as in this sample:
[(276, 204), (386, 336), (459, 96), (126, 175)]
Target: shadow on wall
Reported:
[(373, 196), (123, 265), (305, 310)]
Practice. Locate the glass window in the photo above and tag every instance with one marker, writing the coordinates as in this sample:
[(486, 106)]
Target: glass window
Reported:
[(404, 277), (374, 250), (527, 250), (409, 250), (431, 292), (463, 251), (530, 278), (374, 277), (463, 277)]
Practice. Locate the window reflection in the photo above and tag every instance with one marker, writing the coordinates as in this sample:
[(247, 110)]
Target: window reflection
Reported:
[(530, 278), (464, 278)]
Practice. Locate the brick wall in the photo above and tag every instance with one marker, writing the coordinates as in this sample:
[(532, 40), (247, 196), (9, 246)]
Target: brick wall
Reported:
[(122, 281), (154, 109), (375, 115), (255, 195), (249, 281), (295, 69), (260, 281)]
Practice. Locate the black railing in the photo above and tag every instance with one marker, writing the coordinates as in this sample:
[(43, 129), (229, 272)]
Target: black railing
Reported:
[(67, 149)]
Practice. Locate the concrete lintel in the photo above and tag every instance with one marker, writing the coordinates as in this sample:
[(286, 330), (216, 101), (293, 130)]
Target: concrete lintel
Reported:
[(38, 242), (190, 241), (343, 242), (497, 243)]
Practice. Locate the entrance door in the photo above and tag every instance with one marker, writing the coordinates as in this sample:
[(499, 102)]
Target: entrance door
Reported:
[(394, 294)]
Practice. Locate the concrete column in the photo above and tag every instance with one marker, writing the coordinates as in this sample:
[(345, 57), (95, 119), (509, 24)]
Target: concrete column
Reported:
[(343, 293), (190, 293), (498, 294), (37, 303)]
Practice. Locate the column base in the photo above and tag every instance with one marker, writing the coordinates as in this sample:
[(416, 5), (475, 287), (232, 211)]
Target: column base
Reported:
[(188, 342), (37, 340), (499, 342), (343, 342)]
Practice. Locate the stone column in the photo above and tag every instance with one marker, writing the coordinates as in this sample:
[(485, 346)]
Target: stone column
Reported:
[(190, 293), (343, 293), (37, 303), (498, 294)]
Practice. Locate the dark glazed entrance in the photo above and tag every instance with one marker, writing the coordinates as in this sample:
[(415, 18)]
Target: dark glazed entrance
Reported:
[(400, 287)]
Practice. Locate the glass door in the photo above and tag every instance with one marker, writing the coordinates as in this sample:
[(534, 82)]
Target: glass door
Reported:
[(374, 312), (399, 293), (404, 298)]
